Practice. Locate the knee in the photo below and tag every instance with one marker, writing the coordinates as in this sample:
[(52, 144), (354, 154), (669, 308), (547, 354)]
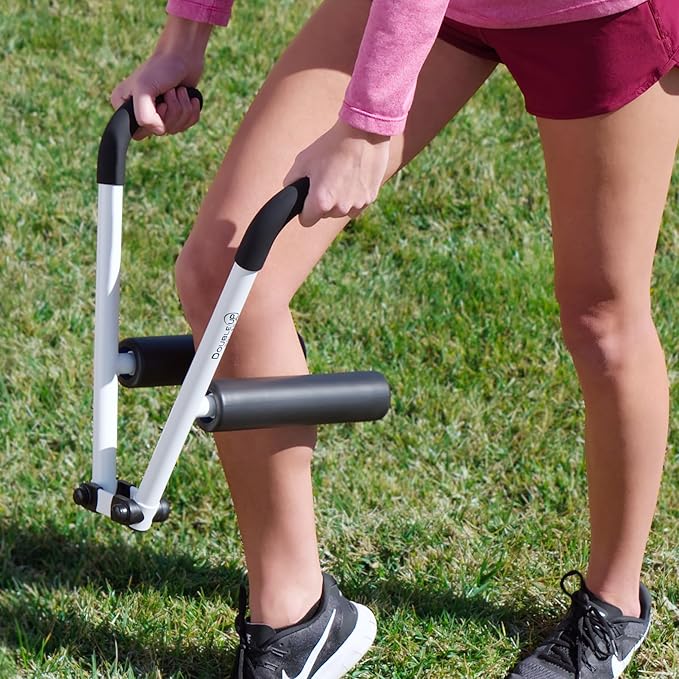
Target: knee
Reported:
[(199, 278), (604, 337), (201, 272)]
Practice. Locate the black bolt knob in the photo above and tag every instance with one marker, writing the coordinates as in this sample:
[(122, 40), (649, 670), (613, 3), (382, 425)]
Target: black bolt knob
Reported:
[(163, 511), (120, 514), (81, 495), (125, 511), (86, 495)]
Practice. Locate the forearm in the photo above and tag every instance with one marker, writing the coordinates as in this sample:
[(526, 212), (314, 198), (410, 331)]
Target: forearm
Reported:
[(398, 37), (184, 37)]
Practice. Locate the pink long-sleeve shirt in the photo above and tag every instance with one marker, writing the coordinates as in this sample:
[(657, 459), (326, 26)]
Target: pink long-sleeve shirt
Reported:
[(399, 35)]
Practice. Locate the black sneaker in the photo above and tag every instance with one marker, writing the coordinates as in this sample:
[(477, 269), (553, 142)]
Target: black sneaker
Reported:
[(594, 641), (325, 646)]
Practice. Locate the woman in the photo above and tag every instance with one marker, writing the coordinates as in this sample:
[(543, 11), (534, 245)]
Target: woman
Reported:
[(600, 77)]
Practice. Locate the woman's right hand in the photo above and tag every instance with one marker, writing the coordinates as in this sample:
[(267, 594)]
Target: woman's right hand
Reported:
[(177, 62)]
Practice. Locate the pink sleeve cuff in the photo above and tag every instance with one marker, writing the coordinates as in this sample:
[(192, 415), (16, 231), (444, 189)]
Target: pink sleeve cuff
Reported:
[(215, 12), (369, 122)]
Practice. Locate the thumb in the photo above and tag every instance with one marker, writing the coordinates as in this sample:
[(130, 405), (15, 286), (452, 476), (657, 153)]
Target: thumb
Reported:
[(311, 211), (146, 113), (309, 215)]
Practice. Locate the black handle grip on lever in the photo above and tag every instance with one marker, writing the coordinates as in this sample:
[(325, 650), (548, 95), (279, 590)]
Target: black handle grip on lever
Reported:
[(116, 139)]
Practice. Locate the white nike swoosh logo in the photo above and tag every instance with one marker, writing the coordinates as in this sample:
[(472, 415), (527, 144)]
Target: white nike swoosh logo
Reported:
[(306, 670), (618, 666)]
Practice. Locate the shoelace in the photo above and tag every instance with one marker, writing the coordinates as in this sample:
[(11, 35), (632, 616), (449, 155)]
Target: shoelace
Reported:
[(585, 628), (241, 628)]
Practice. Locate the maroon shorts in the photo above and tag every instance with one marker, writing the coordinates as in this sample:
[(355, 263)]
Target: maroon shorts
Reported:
[(582, 68)]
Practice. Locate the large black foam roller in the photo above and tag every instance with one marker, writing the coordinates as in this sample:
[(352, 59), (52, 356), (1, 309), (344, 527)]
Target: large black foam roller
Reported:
[(159, 361), (304, 399)]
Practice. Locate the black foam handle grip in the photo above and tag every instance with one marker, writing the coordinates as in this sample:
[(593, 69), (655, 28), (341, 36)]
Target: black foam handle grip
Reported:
[(116, 139), (269, 222), (159, 361), (304, 399)]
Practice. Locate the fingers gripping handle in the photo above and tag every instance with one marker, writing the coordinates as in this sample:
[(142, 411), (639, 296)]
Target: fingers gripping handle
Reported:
[(116, 138), (269, 222)]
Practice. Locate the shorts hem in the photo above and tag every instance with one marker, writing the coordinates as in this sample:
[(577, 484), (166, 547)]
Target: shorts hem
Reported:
[(616, 105)]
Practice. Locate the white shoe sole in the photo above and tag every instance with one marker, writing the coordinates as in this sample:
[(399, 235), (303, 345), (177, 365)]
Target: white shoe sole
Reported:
[(353, 649)]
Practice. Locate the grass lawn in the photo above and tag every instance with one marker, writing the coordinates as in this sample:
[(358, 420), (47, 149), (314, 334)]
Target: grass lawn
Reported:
[(453, 518)]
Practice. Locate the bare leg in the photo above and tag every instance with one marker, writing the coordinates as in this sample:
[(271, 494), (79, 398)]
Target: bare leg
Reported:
[(608, 178), (269, 470)]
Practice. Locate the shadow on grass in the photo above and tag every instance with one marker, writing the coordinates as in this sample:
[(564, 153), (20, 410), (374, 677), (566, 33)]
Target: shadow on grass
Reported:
[(522, 621), (37, 559), (73, 557), (38, 635)]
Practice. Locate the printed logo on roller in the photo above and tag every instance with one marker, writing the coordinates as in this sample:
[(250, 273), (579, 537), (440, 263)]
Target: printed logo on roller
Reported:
[(229, 324)]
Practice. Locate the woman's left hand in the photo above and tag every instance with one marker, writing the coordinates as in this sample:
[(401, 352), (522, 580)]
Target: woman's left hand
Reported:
[(346, 168)]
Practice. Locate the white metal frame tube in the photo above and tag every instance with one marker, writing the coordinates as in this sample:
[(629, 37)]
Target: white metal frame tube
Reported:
[(190, 400), (106, 328)]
